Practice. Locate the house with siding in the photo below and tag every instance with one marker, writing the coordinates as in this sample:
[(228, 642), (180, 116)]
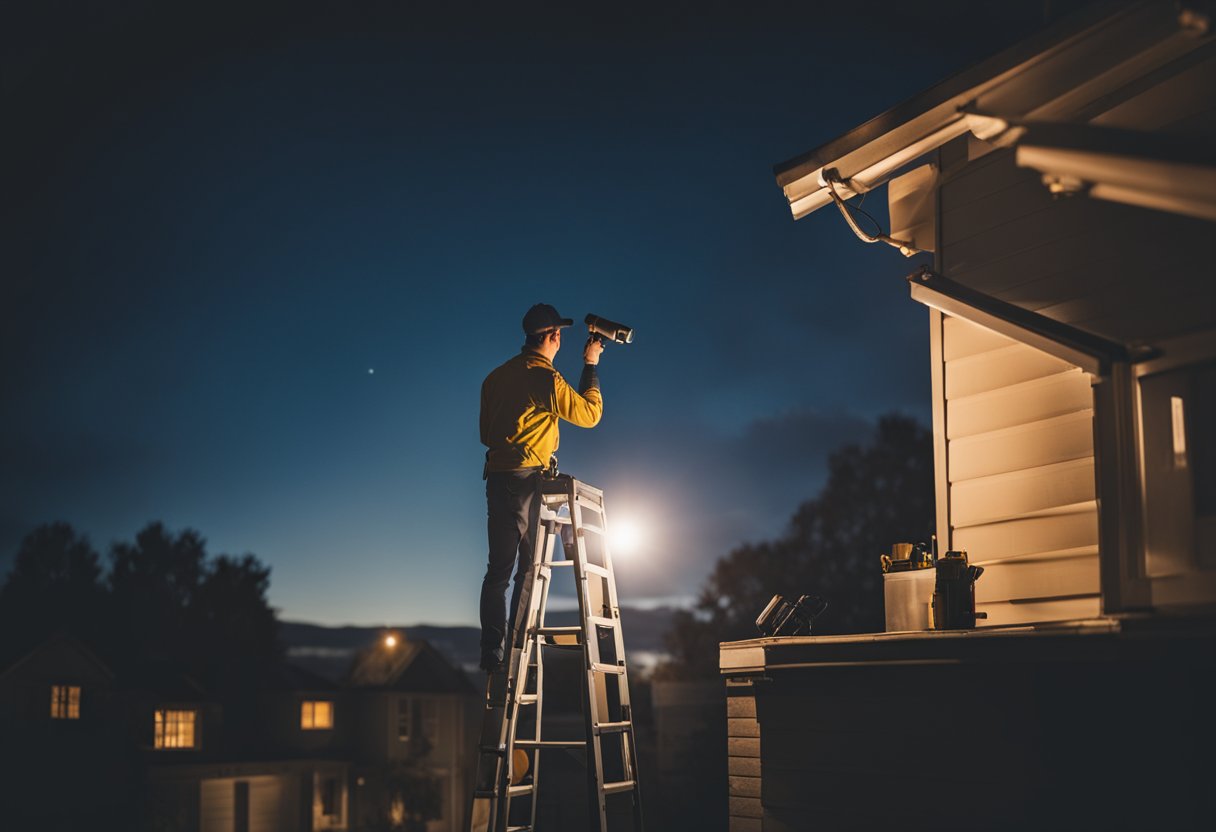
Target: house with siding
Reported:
[(85, 746), (1062, 196), (412, 736)]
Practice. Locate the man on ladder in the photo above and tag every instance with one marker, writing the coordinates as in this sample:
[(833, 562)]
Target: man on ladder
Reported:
[(534, 513), (522, 402)]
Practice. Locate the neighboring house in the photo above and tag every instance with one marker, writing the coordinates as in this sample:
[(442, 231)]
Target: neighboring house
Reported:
[(1067, 191), (284, 766), (413, 736), (85, 746), (64, 741)]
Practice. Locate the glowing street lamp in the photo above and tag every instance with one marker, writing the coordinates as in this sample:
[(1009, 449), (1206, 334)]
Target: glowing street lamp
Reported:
[(390, 641)]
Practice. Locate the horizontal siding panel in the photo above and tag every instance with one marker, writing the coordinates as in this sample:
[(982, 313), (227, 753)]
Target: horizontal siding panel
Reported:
[(999, 368), (1014, 201), (1025, 228), (1044, 442), (1031, 401), (981, 179), (1017, 493), (741, 706), (962, 338), (742, 747), (1014, 580), (1030, 536), (746, 807), (1067, 609), (743, 766), (742, 728), (744, 786)]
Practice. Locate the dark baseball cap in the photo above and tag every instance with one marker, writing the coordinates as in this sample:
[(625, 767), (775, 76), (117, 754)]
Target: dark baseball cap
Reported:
[(543, 316)]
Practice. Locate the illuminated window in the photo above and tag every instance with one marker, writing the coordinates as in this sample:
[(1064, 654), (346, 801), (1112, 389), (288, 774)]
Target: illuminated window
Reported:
[(175, 729), (316, 715), (65, 702)]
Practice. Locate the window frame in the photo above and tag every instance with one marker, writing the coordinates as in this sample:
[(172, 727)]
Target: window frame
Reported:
[(309, 714), (65, 702), (161, 723)]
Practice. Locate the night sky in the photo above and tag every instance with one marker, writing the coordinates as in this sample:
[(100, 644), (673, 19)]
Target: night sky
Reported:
[(258, 260)]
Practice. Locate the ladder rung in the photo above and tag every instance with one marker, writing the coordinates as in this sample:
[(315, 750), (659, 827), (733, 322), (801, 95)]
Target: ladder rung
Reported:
[(550, 743), (559, 631), (561, 563), (613, 727), (591, 504), (600, 667), (527, 698), (595, 570), (618, 787), (591, 527), (519, 829), (600, 621)]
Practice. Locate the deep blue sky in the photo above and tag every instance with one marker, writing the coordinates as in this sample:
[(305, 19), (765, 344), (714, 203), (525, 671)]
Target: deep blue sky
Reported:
[(216, 223)]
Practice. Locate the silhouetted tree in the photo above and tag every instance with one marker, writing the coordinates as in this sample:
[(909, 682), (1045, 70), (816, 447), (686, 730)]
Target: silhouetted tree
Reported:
[(232, 625), (163, 599), (55, 584), (876, 495), (153, 583)]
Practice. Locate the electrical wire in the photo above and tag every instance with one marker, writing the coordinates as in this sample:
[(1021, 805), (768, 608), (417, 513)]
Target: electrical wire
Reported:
[(905, 248)]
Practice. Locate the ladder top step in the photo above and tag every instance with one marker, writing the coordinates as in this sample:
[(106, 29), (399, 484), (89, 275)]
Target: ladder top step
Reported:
[(618, 787)]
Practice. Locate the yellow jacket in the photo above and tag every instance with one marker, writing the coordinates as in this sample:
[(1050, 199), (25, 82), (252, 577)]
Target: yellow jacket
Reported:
[(521, 403)]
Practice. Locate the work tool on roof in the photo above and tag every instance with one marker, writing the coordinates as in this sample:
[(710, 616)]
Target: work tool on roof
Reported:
[(507, 788)]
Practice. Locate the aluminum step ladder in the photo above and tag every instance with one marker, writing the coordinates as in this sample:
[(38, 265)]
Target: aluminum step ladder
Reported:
[(571, 521)]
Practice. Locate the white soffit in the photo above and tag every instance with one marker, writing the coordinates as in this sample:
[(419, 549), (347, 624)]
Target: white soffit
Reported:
[(1088, 62)]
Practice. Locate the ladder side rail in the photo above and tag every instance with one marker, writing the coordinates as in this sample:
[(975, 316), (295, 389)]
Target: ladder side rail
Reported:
[(517, 667), (592, 716), (553, 539), (628, 738)]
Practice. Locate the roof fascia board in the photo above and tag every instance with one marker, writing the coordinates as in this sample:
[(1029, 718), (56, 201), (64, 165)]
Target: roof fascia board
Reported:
[(1050, 73), (952, 89), (1091, 353)]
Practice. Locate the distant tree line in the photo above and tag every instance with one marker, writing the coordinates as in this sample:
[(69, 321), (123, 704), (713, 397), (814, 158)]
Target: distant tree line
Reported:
[(876, 495), (162, 599)]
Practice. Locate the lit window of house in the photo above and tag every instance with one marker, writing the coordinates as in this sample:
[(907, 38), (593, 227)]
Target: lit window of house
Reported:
[(175, 729), (315, 716), (65, 702), (403, 719)]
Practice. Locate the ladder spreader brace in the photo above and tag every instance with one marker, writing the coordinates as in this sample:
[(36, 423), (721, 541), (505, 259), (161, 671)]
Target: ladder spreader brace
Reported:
[(507, 787)]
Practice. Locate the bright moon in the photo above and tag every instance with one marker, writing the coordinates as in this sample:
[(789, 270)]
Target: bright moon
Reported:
[(625, 537)]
